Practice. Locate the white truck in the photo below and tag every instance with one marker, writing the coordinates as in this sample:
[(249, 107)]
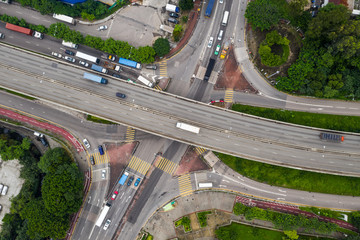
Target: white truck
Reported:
[(64, 18), (145, 81), (172, 8), (70, 44), (187, 127)]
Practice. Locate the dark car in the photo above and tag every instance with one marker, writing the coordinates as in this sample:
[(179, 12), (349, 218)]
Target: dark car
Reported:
[(43, 141), (131, 179), (174, 15), (173, 20), (137, 182), (120, 95), (101, 150), (92, 161), (69, 52), (116, 75)]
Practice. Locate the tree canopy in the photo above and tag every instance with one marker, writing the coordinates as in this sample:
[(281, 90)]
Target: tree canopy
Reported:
[(263, 14), (161, 47)]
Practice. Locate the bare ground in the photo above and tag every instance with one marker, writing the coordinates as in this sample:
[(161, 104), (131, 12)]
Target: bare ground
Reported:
[(190, 162)]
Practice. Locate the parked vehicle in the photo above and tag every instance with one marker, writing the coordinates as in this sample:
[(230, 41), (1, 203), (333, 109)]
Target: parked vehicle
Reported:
[(37, 134), (107, 223), (145, 81), (120, 95), (87, 57), (70, 44), (95, 78), (131, 179), (69, 52), (173, 20), (331, 137), (109, 65), (99, 68), (137, 182), (85, 64), (114, 195), (116, 75), (103, 27), (64, 18), (129, 63), (101, 150), (56, 54), (123, 178), (86, 143), (1, 187), (187, 127), (172, 8), (103, 174), (26, 31), (92, 160), (2, 35), (154, 67), (4, 190), (118, 68), (44, 142), (174, 15), (70, 59)]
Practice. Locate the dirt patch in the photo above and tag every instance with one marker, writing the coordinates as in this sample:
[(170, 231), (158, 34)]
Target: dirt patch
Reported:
[(190, 162), (231, 76), (255, 37), (119, 157)]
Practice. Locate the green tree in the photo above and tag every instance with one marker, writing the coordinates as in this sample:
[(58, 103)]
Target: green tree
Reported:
[(186, 5), (161, 47), (62, 190), (177, 33), (53, 159), (291, 234), (263, 14), (10, 150)]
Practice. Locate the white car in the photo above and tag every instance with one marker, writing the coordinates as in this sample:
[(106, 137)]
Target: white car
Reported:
[(107, 223), (211, 40), (56, 54), (86, 143), (85, 64), (221, 1), (70, 59), (103, 27), (103, 174)]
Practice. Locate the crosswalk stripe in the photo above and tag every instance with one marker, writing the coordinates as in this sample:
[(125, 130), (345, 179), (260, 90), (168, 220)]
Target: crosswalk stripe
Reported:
[(185, 187), (229, 95), (166, 165), (163, 68), (200, 150), (131, 163), (130, 134)]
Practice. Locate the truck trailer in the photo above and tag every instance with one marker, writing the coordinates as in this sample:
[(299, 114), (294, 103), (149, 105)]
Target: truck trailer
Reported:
[(123, 178), (187, 127), (26, 31), (95, 78), (87, 57), (129, 63), (209, 69), (103, 214), (331, 137), (172, 8), (209, 8), (64, 18), (99, 68)]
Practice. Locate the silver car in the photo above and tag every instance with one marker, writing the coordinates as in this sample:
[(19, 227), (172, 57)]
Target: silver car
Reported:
[(85, 64), (107, 223), (70, 59), (211, 40)]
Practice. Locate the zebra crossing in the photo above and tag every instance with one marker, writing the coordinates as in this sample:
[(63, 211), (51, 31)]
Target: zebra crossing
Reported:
[(158, 87), (200, 150), (139, 165), (99, 158), (163, 68), (229, 93), (167, 166), (130, 135), (185, 187)]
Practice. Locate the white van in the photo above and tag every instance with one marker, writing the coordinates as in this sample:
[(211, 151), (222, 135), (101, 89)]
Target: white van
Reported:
[(220, 35), (4, 191), (70, 44)]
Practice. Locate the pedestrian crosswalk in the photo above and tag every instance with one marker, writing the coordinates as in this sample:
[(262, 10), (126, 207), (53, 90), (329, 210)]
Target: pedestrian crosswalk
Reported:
[(185, 186), (229, 93), (98, 159), (130, 134), (163, 68), (200, 150), (158, 87), (167, 166), (139, 165)]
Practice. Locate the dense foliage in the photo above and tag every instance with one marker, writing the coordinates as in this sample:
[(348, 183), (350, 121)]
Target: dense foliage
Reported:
[(52, 190), (202, 217), (329, 61), (283, 220), (274, 50), (186, 5), (263, 14), (161, 47), (177, 33)]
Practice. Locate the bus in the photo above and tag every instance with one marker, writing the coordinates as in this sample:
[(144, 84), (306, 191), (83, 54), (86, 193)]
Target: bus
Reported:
[(225, 19), (102, 216), (205, 185), (87, 57)]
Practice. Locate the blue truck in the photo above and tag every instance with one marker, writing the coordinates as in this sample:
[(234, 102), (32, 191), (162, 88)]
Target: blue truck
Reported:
[(95, 78), (129, 63), (123, 178), (209, 8), (99, 68)]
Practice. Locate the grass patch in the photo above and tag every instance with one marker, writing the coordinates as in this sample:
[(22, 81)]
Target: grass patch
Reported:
[(240, 231), (18, 94), (202, 218), (293, 178), (326, 121), (185, 221), (98, 120)]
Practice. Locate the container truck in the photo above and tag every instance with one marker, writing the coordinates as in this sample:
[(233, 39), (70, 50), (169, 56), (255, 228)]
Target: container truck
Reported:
[(95, 78), (102, 216), (87, 57), (64, 18), (331, 137), (187, 127), (209, 8), (123, 178), (70, 44), (172, 8), (26, 31), (99, 68), (145, 81), (129, 63), (209, 69)]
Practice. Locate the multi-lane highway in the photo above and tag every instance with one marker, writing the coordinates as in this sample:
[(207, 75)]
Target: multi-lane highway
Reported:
[(157, 112)]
